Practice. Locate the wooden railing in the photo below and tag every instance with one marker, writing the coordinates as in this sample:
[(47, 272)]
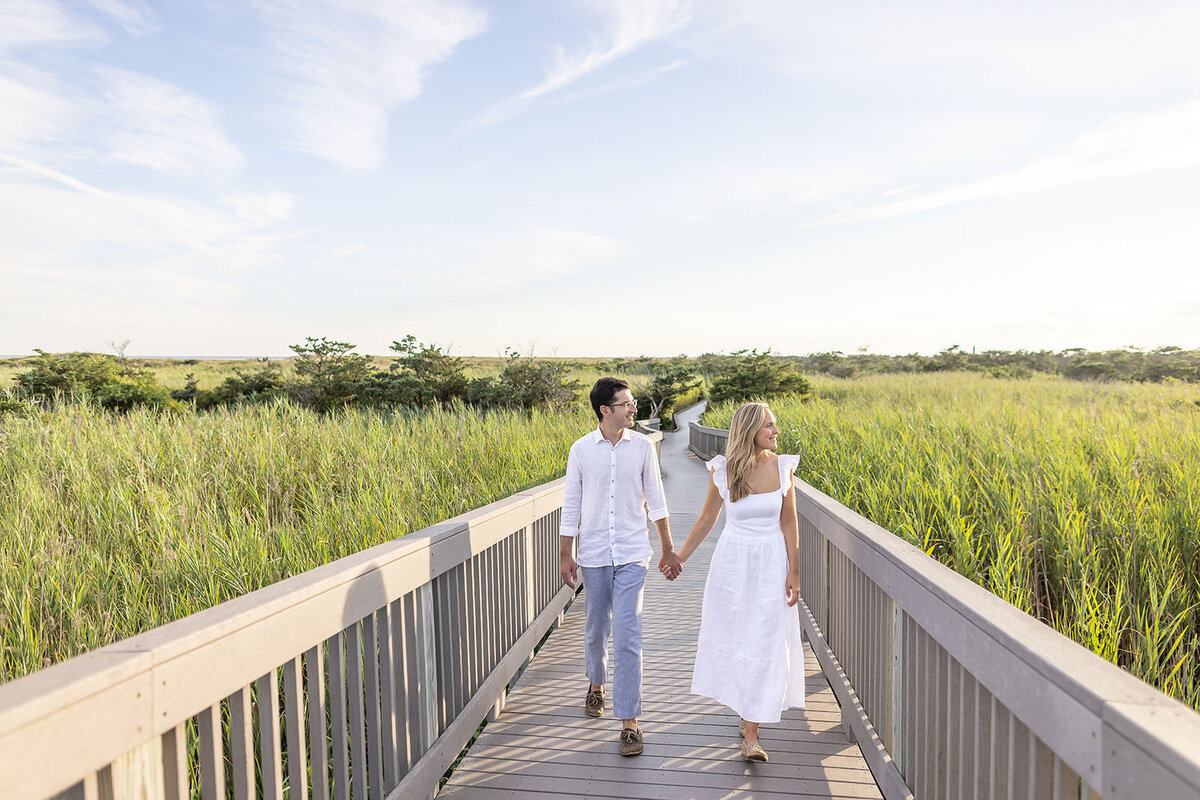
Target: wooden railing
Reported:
[(954, 693), (364, 678), (706, 442)]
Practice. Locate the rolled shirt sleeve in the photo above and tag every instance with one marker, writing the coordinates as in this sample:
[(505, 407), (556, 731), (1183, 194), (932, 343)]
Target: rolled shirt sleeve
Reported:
[(572, 496), (656, 498)]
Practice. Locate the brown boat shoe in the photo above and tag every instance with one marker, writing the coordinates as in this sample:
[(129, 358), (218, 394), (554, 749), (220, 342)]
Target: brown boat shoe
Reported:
[(631, 741), (593, 704)]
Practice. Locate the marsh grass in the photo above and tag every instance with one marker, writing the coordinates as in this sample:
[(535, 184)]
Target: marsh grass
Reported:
[(1077, 502), (114, 524)]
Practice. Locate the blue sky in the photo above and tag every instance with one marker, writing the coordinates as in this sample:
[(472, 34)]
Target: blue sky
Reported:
[(612, 177)]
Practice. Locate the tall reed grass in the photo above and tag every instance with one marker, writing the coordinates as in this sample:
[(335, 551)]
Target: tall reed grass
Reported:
[(1077, 502), (114, 524)]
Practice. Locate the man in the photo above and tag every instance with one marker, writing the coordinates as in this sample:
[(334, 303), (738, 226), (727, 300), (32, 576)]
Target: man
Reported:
[(612, 480)]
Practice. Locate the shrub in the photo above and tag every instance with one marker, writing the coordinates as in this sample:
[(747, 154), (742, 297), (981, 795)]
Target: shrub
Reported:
[(108, 380), (757, 375), (329, 374), (422, 375), (529, 383), (253, 386)]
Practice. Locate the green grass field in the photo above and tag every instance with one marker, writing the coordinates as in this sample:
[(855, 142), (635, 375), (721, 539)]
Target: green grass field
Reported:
[(114, 524), (1077, 502)]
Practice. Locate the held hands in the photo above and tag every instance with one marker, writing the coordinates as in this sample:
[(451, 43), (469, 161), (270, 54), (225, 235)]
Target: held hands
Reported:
[(670, 566), (569, 570), (793, 587)]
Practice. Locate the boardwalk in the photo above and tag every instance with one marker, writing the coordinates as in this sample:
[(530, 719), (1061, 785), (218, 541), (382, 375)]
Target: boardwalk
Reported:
[(543, 744)]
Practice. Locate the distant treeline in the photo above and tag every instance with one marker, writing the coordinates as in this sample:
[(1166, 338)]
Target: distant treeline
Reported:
[(328, 375), (1129, 364)]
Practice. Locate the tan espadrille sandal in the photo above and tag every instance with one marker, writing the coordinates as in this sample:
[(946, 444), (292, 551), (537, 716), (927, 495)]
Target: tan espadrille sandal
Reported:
[(752, 751)]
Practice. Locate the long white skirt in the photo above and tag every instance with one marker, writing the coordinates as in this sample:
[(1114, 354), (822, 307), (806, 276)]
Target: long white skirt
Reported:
[(750, 656)]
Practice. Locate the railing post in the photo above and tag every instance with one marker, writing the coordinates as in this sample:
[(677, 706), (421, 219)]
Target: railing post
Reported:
[(898, 688), (427, 663), (530, 581), (137, 775), (823, 591)]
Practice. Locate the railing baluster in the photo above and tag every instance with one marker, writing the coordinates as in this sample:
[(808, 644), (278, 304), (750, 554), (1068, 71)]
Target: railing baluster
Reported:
[(336, 651), (1041, 762), (427, 666), (387, 698), (1022, 766), (404, 634), (937, 770), (370, 631), (318, 741), (175, 763), (952, 693), (927, 722), (357, 712), (212, 754), (293, 711), (241, 739), (966, 743), (270, 749)]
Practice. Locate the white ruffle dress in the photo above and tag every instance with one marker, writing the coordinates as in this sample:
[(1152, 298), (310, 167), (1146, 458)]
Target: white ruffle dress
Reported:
[(750, 656)]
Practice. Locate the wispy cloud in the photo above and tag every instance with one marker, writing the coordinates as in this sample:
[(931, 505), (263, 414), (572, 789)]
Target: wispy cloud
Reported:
[(36, 108), (345, 64), (55, 221), (504, 264), (42, 22), (628, 25), (132, 15), (87, 110), (158, 125), (1128, 144)]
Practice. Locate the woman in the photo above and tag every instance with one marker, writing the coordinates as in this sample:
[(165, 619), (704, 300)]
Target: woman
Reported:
[(750, 655)]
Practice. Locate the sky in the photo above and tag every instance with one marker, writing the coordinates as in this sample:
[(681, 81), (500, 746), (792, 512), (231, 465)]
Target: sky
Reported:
[(598, 177)]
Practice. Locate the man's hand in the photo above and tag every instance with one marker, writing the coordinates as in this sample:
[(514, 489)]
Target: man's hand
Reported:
[(670, 565), (569, 570)]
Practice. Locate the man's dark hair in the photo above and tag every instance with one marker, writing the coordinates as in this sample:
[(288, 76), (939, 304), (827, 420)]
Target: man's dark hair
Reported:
[(604, 391)]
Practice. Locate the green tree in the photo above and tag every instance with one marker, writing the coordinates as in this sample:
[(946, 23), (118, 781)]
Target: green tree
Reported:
[(422, 375), (528, 383), (672, 380), (329, 374), (755, 375)]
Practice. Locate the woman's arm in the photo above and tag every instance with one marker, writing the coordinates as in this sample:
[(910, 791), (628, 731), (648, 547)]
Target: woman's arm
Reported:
[(704, 523), (791, 540)]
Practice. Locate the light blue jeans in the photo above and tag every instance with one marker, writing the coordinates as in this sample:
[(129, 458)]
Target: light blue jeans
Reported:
[(613, 604)]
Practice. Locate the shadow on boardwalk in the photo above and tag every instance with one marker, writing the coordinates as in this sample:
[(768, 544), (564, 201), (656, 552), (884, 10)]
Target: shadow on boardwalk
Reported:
[(543, 744)]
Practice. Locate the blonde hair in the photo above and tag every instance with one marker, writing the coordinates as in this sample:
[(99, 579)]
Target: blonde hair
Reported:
[(739, 448)]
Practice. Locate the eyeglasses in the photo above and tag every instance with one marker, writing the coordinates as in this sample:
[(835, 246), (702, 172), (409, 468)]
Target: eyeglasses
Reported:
[(628, 404)]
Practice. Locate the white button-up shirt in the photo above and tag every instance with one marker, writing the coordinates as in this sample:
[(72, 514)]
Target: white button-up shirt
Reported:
[(608, 491)]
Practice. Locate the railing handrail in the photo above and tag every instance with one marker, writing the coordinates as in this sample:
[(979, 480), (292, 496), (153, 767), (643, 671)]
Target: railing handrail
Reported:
[(85, 713), (1115, 731)]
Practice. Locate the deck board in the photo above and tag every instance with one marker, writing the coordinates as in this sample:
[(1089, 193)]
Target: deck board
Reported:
[(543, 745)]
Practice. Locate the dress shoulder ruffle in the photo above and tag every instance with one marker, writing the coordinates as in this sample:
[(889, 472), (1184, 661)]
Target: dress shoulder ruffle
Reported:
[(720, 477), (787, 466)]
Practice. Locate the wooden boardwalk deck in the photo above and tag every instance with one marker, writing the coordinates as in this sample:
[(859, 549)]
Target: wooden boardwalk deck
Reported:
[(544, 745)]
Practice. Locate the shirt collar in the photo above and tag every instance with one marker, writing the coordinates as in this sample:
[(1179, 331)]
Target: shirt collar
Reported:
[(598, 436)]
